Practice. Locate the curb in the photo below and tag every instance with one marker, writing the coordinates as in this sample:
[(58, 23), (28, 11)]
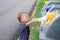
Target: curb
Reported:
[(35, 7)]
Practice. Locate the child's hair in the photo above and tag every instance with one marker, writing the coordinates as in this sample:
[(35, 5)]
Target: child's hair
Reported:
[(20, 14)]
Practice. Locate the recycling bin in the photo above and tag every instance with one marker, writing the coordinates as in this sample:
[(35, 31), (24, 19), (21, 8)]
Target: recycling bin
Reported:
[(51, 31)]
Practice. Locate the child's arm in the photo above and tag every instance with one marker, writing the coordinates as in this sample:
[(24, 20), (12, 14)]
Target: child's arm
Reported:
[(41, 19), (31, 22), (36, 20)]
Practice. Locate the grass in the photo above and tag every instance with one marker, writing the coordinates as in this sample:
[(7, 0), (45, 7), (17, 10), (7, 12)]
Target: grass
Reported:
[(34, 35)]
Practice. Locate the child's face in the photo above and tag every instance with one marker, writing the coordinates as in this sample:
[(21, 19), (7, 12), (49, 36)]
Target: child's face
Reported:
[(24, 17)]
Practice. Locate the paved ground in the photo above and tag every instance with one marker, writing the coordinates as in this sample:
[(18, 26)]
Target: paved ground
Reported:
[(8, 16)]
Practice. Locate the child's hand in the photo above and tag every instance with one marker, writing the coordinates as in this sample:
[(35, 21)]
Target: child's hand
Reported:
[(34, 20), (31, 21)]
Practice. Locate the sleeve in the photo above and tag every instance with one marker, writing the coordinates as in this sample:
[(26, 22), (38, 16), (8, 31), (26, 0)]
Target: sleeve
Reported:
[(22, 27)]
